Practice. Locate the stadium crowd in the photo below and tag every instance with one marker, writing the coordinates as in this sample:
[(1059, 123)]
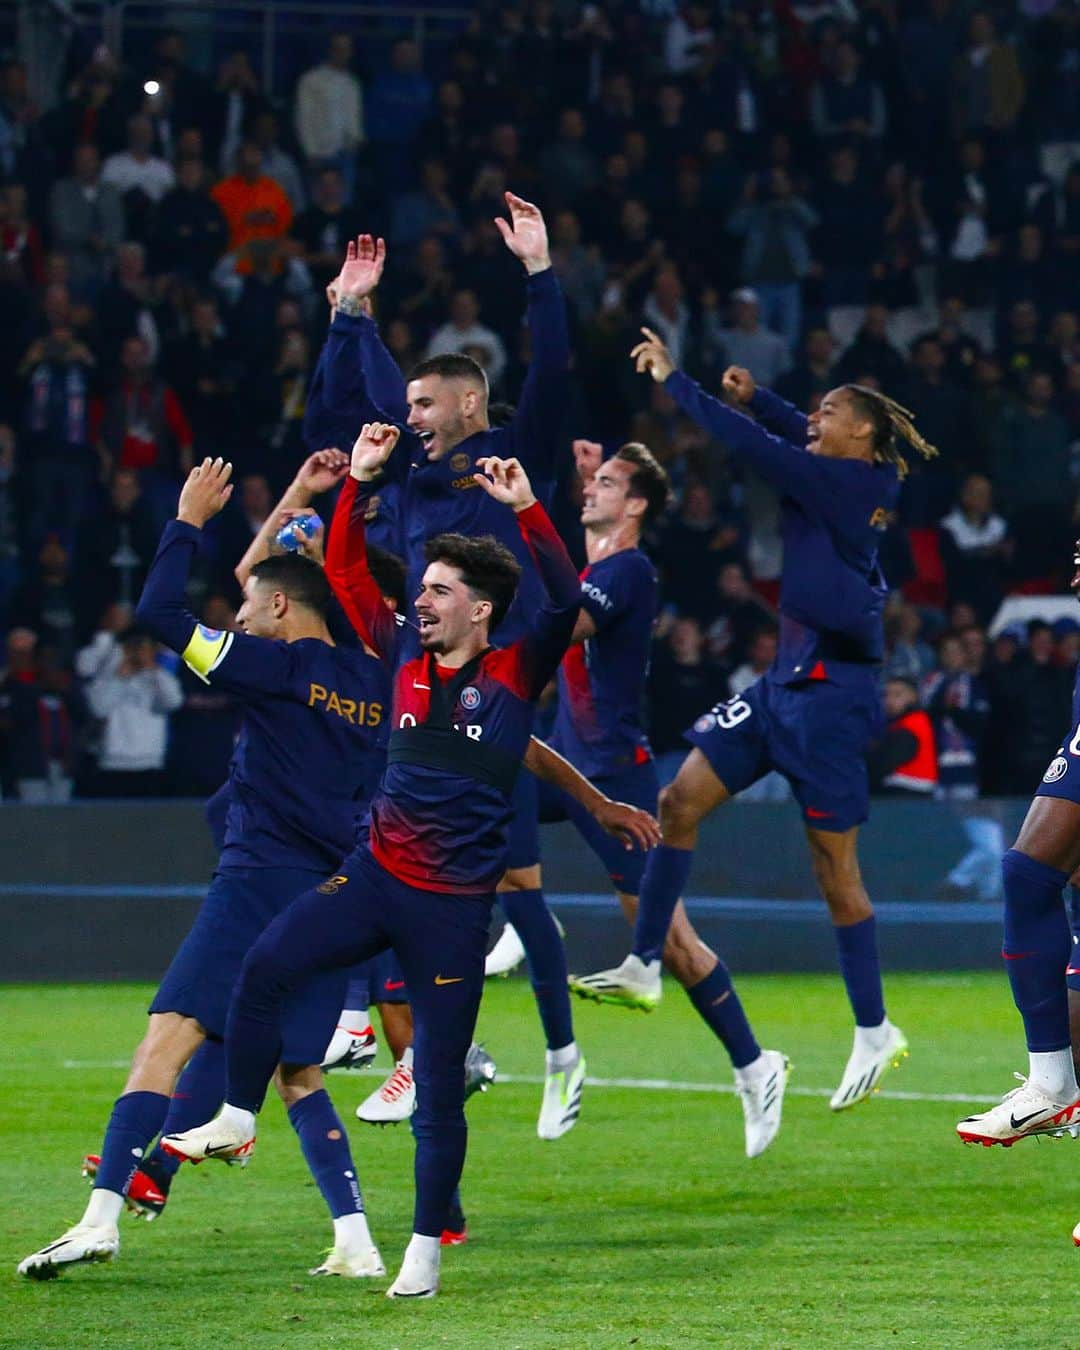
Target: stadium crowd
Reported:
[(820, 192)]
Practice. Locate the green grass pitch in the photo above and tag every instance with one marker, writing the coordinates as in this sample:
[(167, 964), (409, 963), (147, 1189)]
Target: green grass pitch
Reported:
[(645, 1226)]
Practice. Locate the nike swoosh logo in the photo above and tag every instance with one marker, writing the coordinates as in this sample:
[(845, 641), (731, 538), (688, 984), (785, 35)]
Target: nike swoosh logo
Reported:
[(426, 687), (211, 1149), (1015, 956), (1071, 970), (456, 979), (1023, 1119), (400, 984)]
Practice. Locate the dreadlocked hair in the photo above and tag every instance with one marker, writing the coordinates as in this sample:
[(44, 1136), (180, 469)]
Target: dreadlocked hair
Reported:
[(892, 424)]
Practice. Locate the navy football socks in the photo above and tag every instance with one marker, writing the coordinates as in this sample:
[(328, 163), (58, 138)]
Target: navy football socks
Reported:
[(325, 1147), (718, 1003), (1036, 948), (857, 949), (199, 1092), (666, 875), (546, 956), (137, 1118)]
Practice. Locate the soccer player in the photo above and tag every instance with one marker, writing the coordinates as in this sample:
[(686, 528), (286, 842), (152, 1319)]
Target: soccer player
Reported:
[(812, 714), (312, 714), (1038, 948), (598, 729), (443, 411), (425, 880)]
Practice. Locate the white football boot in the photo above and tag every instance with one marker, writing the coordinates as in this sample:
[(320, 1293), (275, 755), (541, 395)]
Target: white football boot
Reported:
[(395, 1100), (761, 1088), (634, 984), (876, 1050), (84, 1242), (1021, 1113)]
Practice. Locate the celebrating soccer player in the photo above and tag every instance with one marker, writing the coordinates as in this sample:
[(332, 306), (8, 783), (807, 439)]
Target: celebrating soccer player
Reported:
[(312, 717), (424, 880), (443, 412), (1037, 948), (812, 714)]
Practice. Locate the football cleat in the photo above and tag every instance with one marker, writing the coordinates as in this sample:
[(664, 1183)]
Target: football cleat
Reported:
[(84, 1242), (762, 1095), (216, 1139), (507, 954), (147, 1192), (479, 1070), (350, 1048), (1021, 1113), (631, 985), (1076, 1236), (395, 1100), (417, 1278), (561, 1102), (867, 1067), (353, 1265)]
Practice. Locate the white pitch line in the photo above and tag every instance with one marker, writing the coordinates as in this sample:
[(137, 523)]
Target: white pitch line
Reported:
[(647, 1085), (674, 1085)]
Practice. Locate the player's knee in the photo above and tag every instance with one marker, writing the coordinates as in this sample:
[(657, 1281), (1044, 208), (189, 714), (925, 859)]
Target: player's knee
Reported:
[(678, 810), (170, 1041)]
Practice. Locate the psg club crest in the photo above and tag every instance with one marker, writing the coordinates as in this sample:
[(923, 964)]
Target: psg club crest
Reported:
[(705, 723), (460, 462), (1058, 768), (470, 698)]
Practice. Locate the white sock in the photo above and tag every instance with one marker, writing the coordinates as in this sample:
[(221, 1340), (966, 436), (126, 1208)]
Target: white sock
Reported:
[(104, 1208), (753, 1070), (353, 1020), (352, 1234), (1052, 1072), (406, 1058), (236, 1115), (559, 1061), (873, 1039), (423, 1251)]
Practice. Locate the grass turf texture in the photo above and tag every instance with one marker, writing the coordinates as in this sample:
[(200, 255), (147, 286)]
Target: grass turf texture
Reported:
[(644, 1226)]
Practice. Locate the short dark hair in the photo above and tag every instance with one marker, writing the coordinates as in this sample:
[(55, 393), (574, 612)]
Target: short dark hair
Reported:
[(389, 572), (302, 580), (649, 478), (486, 566), (451, 366)]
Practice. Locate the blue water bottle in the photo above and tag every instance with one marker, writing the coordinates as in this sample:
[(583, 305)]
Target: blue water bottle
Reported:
[(296, 532)]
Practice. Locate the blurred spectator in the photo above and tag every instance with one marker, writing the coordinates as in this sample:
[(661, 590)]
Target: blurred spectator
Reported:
[(254, 206), (689, 40), (427, 210), (203, 370), (20, 239), (682, 685), (693, 548), (47, 600), (190, 233), (849, 236), (741, 616), (871, 353), (988, 88), (903, 763), (812, 376), (844, 102), (38, 721), (907, 654), (465, 333), (125, 309), (397, 104), (975, 547), (666, 311), (133, 701), (759, 658), (959, 707), (1031, 699), (143, 425), (567, 165), (277, 163), (745, 342), (114, 550), (776, 255), (141, 177), (236, 101), (329, 113), (580, 269), (86, 216), (325, 228)]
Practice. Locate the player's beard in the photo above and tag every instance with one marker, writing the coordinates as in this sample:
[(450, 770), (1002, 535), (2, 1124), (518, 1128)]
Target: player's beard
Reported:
[(452, 433)]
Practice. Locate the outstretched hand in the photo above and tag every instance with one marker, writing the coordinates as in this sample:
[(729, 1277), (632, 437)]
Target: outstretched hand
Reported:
[(373, 448), (322, 471), (651, 357), (636, 828), (738, 384), (362, 269), (525, 235), (206, 491), (313, 547), (506, 481)]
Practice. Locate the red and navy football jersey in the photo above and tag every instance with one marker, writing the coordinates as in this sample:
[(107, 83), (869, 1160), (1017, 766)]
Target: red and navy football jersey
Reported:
[(440, 818), (598, 724)]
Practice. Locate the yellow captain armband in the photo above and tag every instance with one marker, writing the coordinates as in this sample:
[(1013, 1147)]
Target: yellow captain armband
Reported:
[(206, 650)]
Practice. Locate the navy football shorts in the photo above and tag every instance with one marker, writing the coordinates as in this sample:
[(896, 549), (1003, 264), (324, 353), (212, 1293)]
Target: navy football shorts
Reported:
[(639, 786), (379, 980), (239, 906), (523, 847), (815, 734)]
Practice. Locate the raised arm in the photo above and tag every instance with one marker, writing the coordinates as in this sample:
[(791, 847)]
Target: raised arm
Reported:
[(772, 412), (551, 628), (790, 469), (360, 373), (537, 430), (346, 551), (630, 824), (319, 473)]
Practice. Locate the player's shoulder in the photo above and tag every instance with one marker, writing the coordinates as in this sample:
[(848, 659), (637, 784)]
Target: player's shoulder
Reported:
[(630, 564)]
